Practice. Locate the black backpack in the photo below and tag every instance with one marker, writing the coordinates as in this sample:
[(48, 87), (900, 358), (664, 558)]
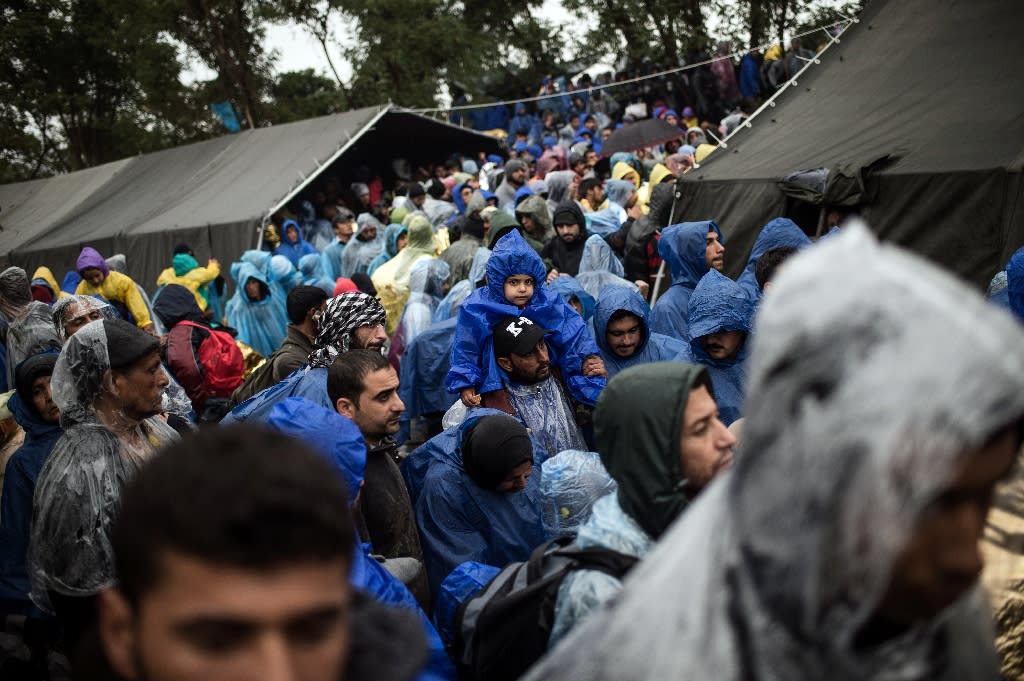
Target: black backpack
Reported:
[(504, 629)]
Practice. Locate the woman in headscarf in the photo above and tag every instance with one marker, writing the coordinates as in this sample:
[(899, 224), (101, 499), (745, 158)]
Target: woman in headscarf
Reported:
[(395, 238), (254, 310), (392, 278)]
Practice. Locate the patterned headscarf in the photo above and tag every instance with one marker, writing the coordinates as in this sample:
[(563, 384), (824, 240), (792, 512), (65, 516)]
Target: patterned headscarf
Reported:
[(343, 315)]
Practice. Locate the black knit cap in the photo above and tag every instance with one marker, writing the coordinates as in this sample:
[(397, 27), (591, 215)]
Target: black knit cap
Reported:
[(416, 189), (31, 369), (127, 343), (493, 447), (183, 248)]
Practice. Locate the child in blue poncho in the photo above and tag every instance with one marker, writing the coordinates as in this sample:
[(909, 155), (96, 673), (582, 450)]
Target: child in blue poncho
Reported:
[(513, 272)]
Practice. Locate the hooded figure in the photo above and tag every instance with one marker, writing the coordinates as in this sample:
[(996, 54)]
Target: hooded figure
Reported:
[(718, 304), (15, 293), (362, 249), (624, 171), (571, 292), (70, 552), (638, 432), (640, 257), (684, 249), (537, 209), (473, 361), (505, 192), (650, 346), (426, 288), (343, 315), (559, 186), (460, 290), (119, 263), (876, 381), (338, 440), (777, 233), (566, 255), (260, 323), (392, 234), (611, 219), (20, 476), (311, 267), (392, 278), (78, 311), (29, 335), (453, 480), (284, 274), (185, 271), (44, 286), (293, 250), (459, 255), (116, 288), (599, 268)]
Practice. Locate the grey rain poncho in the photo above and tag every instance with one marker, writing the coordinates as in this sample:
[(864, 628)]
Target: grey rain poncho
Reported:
[(871, 372), (79, 487)]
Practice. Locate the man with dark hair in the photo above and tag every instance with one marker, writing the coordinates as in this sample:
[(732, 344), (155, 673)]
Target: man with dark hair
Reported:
[(566, 250), (304, 303), (253, 589), (515, 177), (532, 391), (661, 439), (108, 384), (363, 386), (768, 264), (332, 253), (591, 194), (622, 329), (417, 196)]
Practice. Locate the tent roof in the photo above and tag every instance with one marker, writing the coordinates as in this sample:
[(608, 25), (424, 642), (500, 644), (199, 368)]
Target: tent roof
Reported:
[(923, 80), (230, 180)]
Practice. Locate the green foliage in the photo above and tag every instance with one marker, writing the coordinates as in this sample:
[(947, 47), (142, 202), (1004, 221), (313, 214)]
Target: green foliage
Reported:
[(297, 95)]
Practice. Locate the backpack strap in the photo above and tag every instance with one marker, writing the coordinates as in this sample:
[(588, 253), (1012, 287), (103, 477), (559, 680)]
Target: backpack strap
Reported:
[(535, 564), (611, 563)]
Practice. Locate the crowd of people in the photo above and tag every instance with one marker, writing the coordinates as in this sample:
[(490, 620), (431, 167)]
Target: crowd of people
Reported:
[(502, 417)]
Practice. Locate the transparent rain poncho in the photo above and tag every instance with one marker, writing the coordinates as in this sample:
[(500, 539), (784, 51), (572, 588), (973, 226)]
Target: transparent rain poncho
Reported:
[(570, 483), (599, 268), (74, 307), (871, 373), (78, 490), (31, 334)]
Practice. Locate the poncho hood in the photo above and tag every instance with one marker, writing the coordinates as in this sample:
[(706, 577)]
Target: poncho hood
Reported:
[(717, 304), (684, 247), (183, 263), (613, 299), (90, 257), (512, 255)]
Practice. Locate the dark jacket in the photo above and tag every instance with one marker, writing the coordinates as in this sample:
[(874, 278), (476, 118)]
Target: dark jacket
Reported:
[(16, 510), (174, 305)]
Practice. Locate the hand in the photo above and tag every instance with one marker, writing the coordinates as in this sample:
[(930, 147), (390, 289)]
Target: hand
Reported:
[(644, 287), (469, 397), (214, 261), (594, 366), (150, 329), (552, 275), (635, 211)]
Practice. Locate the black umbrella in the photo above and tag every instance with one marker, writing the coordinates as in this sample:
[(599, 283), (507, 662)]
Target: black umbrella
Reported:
[(649, 132)]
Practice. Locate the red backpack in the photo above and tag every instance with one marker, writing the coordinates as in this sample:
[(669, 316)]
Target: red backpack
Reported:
[(222, 362)]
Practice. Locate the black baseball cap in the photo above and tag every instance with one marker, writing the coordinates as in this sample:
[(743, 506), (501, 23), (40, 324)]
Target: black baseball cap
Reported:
[(516, 335)]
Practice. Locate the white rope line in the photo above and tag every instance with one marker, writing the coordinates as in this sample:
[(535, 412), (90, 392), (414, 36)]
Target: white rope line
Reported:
[(466, 107)]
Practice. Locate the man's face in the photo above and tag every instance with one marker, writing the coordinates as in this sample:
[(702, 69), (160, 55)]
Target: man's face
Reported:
[(93, 275), (292, 235), (724, 345), (139, 387), (624, 335), (518, 176), (714, 252), (78, 315), (379, 408), (42, 400), (203, 621), (940, 560), (515, 481), (591, 157), (580, 167), (568, 233), (705, 446), (528, 369), (466, 193), (671, 120), (529, 226), (368, 234), (343, 230), (253, 289), (418, 201), (402, 241), (598, 194), (591, 124), (369, 337)]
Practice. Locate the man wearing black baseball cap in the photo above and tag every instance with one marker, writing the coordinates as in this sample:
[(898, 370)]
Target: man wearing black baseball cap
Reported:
[(533, 391)]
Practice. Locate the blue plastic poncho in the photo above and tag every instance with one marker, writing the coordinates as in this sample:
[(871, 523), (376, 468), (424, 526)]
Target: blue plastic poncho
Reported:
[(358, 254), (392, 233), (424, 366), (719, 304), (1015, 283), (460, 521), (778, 233), (461, 584), (654, 347), (338, 439), (293, 251), (311, 268), (600, 268), (16, 511), (683, 247), (310, 384), (473, 362), (568, 288), (260, 323), (609, 220), (330, 258), (284, 274)]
